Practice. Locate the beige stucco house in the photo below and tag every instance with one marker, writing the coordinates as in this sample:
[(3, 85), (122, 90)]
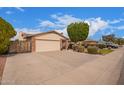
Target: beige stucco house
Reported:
[(90, 43), (46, 41)]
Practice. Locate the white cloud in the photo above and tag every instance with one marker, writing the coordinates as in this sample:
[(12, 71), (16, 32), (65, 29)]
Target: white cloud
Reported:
[(64, 20), (46, 23), (120, 27), (8, 12), (96, 24), (27, 31), (60, 23), (116, 28), (115, 21), (54, 16), (20, 9), (64, 31)]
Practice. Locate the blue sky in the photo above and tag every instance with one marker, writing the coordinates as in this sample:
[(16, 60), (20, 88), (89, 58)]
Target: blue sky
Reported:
[(102, 21)]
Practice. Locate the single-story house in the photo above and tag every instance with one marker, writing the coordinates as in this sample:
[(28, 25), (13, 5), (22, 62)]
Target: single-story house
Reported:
[(46, 41), (90, 43)]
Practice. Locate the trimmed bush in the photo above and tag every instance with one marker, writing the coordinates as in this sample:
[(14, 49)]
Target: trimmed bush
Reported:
[(74, 47), (92, 49), (101, 46), (80, 48), (78, 31)]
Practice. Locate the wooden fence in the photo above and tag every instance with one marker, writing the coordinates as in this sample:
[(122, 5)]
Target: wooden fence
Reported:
[(20, 47)]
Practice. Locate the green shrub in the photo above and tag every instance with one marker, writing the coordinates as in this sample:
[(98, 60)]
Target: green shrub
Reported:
[(6, 33), (4, 46), (80, 48), (92, 49), (74, 47), (101, 46), (78, 31), (105, 51)]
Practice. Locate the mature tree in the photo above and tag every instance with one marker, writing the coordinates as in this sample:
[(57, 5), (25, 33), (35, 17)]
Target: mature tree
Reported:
[(120, 41), (112, 38), (78, 31), (6, 32), (109, 38)]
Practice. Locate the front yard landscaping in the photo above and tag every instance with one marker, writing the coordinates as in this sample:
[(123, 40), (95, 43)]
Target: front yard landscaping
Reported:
[(95, 50), (92, 49), (104, 51)]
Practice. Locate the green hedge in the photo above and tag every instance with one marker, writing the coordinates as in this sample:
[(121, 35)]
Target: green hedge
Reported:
[(101, 46), (92, 49), (78, 48), (78, 31)]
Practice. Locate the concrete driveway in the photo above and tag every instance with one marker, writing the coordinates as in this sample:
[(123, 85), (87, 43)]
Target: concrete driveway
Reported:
[(36, 68), (62, 67)]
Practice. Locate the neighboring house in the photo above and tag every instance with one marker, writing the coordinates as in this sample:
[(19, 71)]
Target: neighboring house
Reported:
[(46, 41), (90, 43), (101, 43)]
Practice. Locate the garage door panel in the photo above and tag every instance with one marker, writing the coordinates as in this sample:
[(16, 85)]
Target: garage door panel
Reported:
[(42, 45)]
